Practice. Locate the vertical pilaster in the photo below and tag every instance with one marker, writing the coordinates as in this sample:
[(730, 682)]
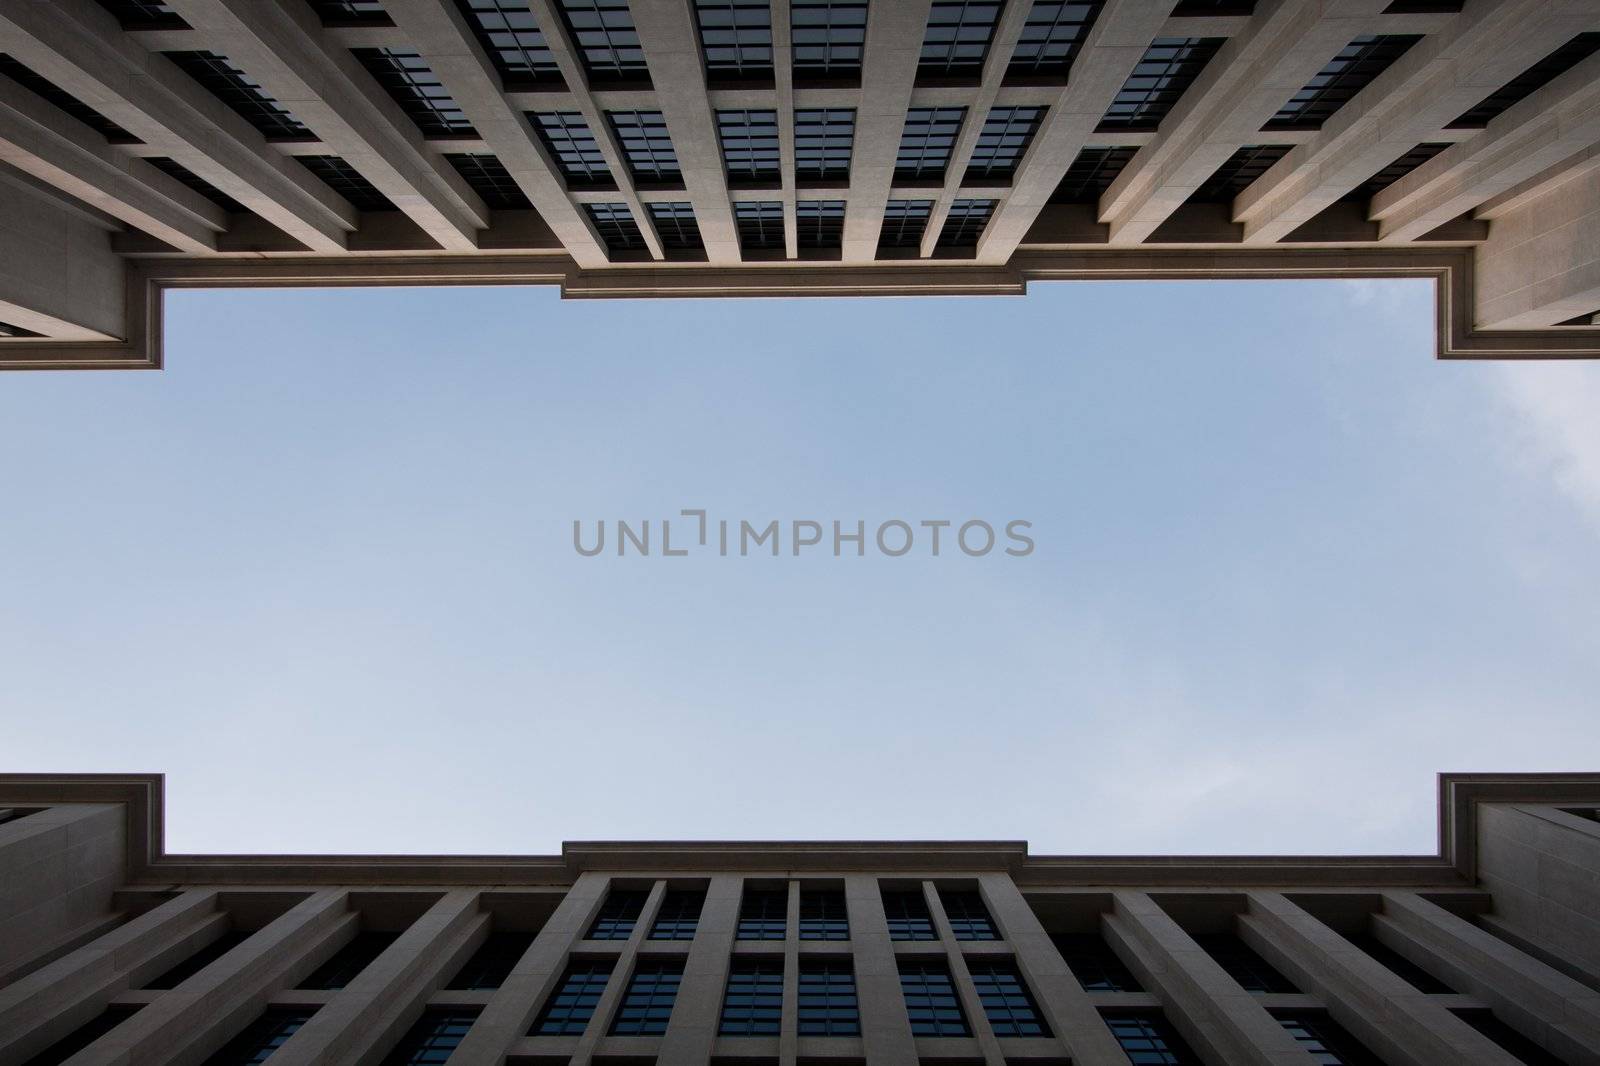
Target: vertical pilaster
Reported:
[(611, 998), (966, 991), (695, 1016), (885, 1028), (789, 1030)]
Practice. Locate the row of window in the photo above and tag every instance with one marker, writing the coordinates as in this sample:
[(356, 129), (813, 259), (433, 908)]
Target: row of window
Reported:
[(763, 914)]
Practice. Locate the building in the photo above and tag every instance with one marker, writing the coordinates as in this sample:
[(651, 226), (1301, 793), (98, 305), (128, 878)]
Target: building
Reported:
[(829, 954), (748, 147)]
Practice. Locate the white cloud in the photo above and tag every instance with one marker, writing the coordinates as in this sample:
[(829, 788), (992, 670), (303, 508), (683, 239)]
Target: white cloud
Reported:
[(1555, 427)]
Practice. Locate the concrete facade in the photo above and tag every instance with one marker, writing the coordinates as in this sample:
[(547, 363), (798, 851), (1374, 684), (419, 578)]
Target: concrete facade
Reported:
[(1487, 953), (402, 141)]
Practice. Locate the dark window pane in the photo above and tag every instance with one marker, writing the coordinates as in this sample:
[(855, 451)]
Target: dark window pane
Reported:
[(679, 232), (1324, 1039), (763, 913), (343, 179), (827, 38), (433, 1038), (1400, 966), (571, 1005), (350, 960), (417, 90), (65, 101), (82, 1037), (261, 1038), (680, 908), (822, 143), (753, 1002), (965, 223), (1395, 171), (199, 960), (1007, 1003), (1148, 1039), (622, 906), (957, 38), (1237, 174), (1004, 138), (647, 1003), (351, 12), (926, 141), (749, 145), (490, 180), (826, 999), (9, 330), (1052, 36), (1091, 174), (760, 224), (818, 224), (1529, 81), (182, 173), (235, 88), (969, 918), (144, 14), (1253, 973), (615, 224), (904, 222), (736, 37), (606, 38), (515, 44), (491, 964), (1094, 964), (907, 914), (1337, 83), (823, 915), (1168, 67), (645, 144), (1508, 1038), (573, 144), (931, 1001)]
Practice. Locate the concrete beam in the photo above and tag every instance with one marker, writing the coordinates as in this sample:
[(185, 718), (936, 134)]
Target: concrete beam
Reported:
[(888, 73), (1541, 263), (59, 276)]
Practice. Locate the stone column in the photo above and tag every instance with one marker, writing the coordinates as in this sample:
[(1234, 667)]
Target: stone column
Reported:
[(698, 1010), (885, 1028), (966, 991), (60, 867)]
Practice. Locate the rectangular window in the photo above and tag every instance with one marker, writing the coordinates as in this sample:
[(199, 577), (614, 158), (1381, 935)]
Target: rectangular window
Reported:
[(823, 138), (823, 915), (489, 178), (1501, 1034), (904, 222), (819, 223), (345, 180), (616, 227), (622, 906), (1148, 1039), (239, 91), (646, 146), (1253, 973), (1005, 136), (1094, 964), (736, 37), (510, 34), (931, 1000), (258, 1040), (926, 141), (749, 145), (432, 1040), (679, 232), (1395, 171), (1400, 966), (827, 38), (172, 168), (827, 999), (969, 918), (606, 38), (1007, 1003), (491, 964), (1529, 81), (145, 14), (83, 1036), (763, 914), (957, 38), (352, 13), (417, 89), (1238, 172), (1051, 37), (760, 224), (647, 1003), (1091, 174), (348, 962), (1168, 67), (572, 1004), (753, 1003), (680, 908), (907, 913), (9, 330), (577, 153), (64, 100), (965, 223), (1324, 1039), (1336, 84), (199, 960)]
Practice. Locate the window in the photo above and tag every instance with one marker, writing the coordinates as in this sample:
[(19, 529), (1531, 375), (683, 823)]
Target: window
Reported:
[(236, 89), (431, 1041), (1400, 966), (1094, 964), (1337, 83), (491, 964), (931, 1000), (261, 1038), (679, 232), (760, 224), (680, 908), (9, 330), (1253, 973), (417, 90), (1148, 1039), (1590, 813), (1498, 1032), (822, 143), (1395, 171), (65, 101), (1529, 81), (1238, 172), (144, 14), (904, 222), (351, 12), (827, 999), (616, 227), (569, 1008), (827, 38), (1002, 141), (1091, 174), (604, 33), (969, 918), (1007, 1003), (489, 178), (342, 178), (763, 913), (647, 1003), (926, 141), (1324, 1039), (907, 914), (823, 915), (13, 814), (622, 906), (965, 223), (646, 146), (753, 1003), (1051, 37), (177, 170), (736, 37), (82, 1036), (819, 223), (1168, 67), (749, 145), (349, 960), (957, 38), (199, 960), (518, 48), (570, 140)]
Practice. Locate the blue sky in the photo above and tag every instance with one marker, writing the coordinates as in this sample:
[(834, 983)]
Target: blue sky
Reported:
[(320, 569)]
